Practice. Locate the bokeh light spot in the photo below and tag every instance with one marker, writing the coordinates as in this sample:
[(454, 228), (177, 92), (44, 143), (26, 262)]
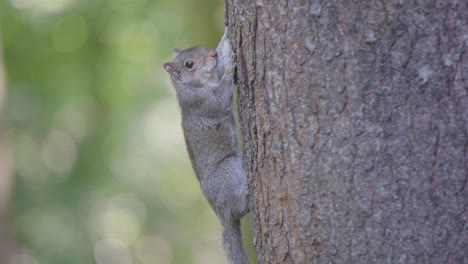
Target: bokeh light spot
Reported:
[(74, 119), (153, 248), (59, 152), (162, 131), (29, 167), (121, 217), (111, 251), (208, 250), (129, 202), (42, 6)]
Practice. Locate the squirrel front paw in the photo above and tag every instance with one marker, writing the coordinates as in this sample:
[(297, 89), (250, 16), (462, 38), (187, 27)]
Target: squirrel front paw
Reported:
[(226, 63), (225, 52)]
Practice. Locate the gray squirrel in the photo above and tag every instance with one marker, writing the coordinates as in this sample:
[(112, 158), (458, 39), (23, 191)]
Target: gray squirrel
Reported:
[(203, 80)]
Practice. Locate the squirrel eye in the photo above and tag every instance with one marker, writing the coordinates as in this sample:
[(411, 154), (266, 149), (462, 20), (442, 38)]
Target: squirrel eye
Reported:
[(189, 64)]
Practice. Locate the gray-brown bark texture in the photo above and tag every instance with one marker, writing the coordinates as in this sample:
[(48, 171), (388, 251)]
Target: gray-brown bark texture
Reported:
[(354, 117)]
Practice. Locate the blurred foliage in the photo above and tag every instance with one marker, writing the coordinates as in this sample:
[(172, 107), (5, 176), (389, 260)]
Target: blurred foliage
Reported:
[(102, 174)]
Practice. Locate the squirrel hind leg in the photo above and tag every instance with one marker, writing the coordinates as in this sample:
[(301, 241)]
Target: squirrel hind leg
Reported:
[(241, 207)]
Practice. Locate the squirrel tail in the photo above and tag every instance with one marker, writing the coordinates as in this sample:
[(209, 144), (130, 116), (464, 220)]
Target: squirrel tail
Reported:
[(232, 242)]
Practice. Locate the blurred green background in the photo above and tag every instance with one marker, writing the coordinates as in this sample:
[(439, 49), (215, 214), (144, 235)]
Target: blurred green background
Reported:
[(102, 175)]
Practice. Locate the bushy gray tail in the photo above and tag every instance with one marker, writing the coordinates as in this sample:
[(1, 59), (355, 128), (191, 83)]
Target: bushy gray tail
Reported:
[(232, 242)]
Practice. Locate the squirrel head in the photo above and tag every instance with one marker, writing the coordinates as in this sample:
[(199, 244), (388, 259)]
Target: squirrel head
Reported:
[(194, 67)]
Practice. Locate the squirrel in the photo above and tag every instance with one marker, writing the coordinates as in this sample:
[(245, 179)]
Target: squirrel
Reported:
[(203, 80)]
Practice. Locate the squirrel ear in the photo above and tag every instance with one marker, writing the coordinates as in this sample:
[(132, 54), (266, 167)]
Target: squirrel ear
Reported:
[(178, 50), (169, 67)]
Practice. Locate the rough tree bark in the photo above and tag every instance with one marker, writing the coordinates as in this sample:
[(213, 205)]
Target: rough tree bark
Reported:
[(6, 180), (354, 117)]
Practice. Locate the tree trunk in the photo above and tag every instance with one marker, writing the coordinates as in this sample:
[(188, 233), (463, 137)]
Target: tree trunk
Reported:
[(354, 117), (6, 180)]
